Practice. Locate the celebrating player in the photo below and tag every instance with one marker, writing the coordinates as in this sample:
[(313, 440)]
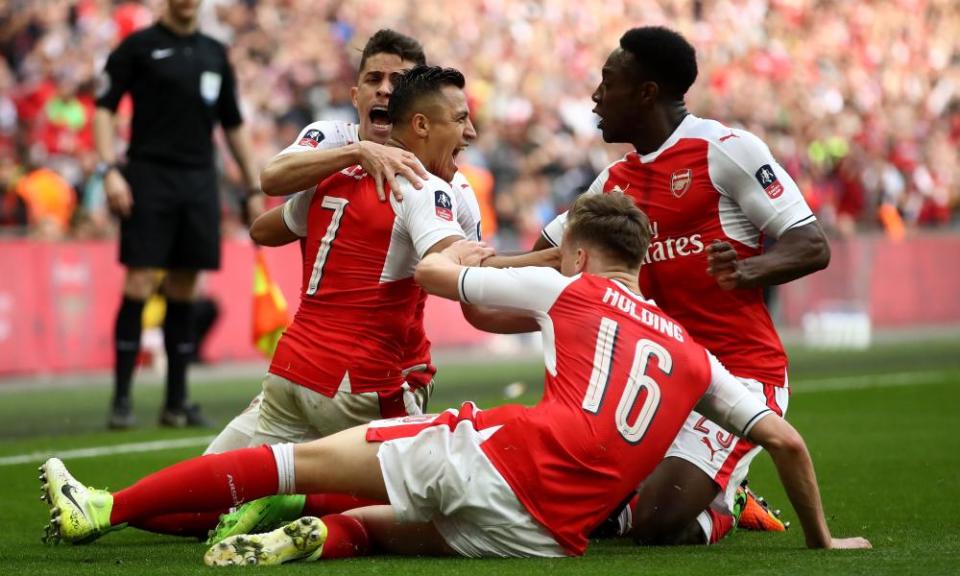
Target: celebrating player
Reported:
[(512, 481), (324, 148), (713, 194)]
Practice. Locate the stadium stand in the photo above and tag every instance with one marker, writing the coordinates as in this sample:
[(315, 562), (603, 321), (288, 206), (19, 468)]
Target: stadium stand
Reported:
[(862, 122)]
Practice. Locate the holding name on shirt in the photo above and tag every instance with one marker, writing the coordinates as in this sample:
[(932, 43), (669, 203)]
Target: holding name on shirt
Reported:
[(628, 305)]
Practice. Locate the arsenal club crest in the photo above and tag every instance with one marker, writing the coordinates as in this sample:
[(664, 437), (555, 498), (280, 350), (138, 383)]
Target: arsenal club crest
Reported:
[(680, 182)]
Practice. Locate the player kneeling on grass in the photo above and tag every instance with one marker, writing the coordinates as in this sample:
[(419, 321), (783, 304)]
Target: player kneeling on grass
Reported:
[(513, 481)]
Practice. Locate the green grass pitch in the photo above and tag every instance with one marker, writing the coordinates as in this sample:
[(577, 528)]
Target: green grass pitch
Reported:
[(882, 426)]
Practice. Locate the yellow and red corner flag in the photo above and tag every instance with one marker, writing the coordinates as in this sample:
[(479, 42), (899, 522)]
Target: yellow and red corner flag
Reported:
[(269, 308)]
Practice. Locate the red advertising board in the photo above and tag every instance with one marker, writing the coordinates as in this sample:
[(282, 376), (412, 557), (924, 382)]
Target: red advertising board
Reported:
[(58, 300)]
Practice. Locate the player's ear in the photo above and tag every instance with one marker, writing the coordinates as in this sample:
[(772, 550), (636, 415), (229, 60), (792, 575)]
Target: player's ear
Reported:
[(353, 96), (580, 264), (420, 124), (648, 92)]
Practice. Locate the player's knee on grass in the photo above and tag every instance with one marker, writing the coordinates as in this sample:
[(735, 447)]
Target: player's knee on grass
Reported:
[(668, 504)]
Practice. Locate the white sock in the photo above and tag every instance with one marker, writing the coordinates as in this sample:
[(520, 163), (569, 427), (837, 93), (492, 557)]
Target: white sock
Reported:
[(706, 524), (283, 456)]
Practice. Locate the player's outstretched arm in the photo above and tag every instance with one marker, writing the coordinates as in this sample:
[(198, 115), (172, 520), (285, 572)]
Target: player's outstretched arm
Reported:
[(795, 467), (498, 321), (548, 257), (439, 271), (798, 252)]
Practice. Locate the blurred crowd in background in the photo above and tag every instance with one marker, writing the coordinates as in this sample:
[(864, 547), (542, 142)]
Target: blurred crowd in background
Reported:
[(860, 101)]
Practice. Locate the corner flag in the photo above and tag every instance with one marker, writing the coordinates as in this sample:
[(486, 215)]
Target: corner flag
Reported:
[(269, 308)]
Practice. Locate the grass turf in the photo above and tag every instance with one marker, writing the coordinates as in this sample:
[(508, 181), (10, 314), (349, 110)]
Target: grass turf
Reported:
[(887, 455)]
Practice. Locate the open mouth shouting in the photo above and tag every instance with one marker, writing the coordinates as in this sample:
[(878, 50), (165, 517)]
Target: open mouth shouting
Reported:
[(456, 153), (380, 121)]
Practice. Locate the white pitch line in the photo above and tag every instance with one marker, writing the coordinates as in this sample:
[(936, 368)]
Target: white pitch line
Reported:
[(801, 387), (867, 381), (96, 451)]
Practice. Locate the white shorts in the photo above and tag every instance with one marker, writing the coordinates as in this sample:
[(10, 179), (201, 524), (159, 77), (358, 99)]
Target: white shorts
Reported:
[(288, 412), (721, 455), (238, 432), (443, 476)]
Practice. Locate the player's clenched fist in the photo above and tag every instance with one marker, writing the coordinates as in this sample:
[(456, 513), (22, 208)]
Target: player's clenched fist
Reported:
[(722, 264)]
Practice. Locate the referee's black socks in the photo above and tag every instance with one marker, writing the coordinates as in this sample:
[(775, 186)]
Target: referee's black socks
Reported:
[(179, 341), (126, 337)]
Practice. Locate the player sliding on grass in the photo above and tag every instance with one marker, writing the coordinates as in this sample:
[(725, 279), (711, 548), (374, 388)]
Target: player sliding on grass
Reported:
[(512, 481)]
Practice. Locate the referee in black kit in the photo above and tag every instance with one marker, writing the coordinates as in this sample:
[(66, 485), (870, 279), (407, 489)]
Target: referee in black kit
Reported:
[(166, 195)]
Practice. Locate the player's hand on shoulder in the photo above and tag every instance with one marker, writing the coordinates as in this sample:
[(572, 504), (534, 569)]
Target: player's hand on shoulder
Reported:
[(117, 191), (384, 163), (468, 252), (854, 543), (722, 264)]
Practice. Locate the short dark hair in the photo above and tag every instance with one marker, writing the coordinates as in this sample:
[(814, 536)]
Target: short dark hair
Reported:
[(611, 223), (416, 83), (387, 41), (664, 56)]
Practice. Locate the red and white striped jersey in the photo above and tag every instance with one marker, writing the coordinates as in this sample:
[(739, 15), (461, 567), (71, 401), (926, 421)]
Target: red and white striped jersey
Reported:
[(621, 378), (709, 182), (358, 300)]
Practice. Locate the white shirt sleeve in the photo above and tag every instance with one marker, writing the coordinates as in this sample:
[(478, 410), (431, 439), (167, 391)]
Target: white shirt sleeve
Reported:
[(532, 288), (553, 232), (468, 208), (428, 215), (323, 135), (744, 170), (729, 403), (295, 212)]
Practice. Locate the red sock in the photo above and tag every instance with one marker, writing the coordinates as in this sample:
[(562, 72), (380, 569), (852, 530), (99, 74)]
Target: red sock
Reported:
[(206, 484), (320, 505), (190, 524), (722, 524), (346, 537)]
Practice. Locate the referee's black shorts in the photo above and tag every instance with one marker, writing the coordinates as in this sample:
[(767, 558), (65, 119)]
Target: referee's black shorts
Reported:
[(175, 220)]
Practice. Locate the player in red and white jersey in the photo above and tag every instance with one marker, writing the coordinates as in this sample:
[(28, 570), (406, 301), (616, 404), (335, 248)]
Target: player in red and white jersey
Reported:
[(358, 297), (323, 149), (512, 481), (713, 195)]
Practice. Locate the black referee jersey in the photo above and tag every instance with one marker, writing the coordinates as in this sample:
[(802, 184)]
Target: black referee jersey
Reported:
[(181, 86)]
